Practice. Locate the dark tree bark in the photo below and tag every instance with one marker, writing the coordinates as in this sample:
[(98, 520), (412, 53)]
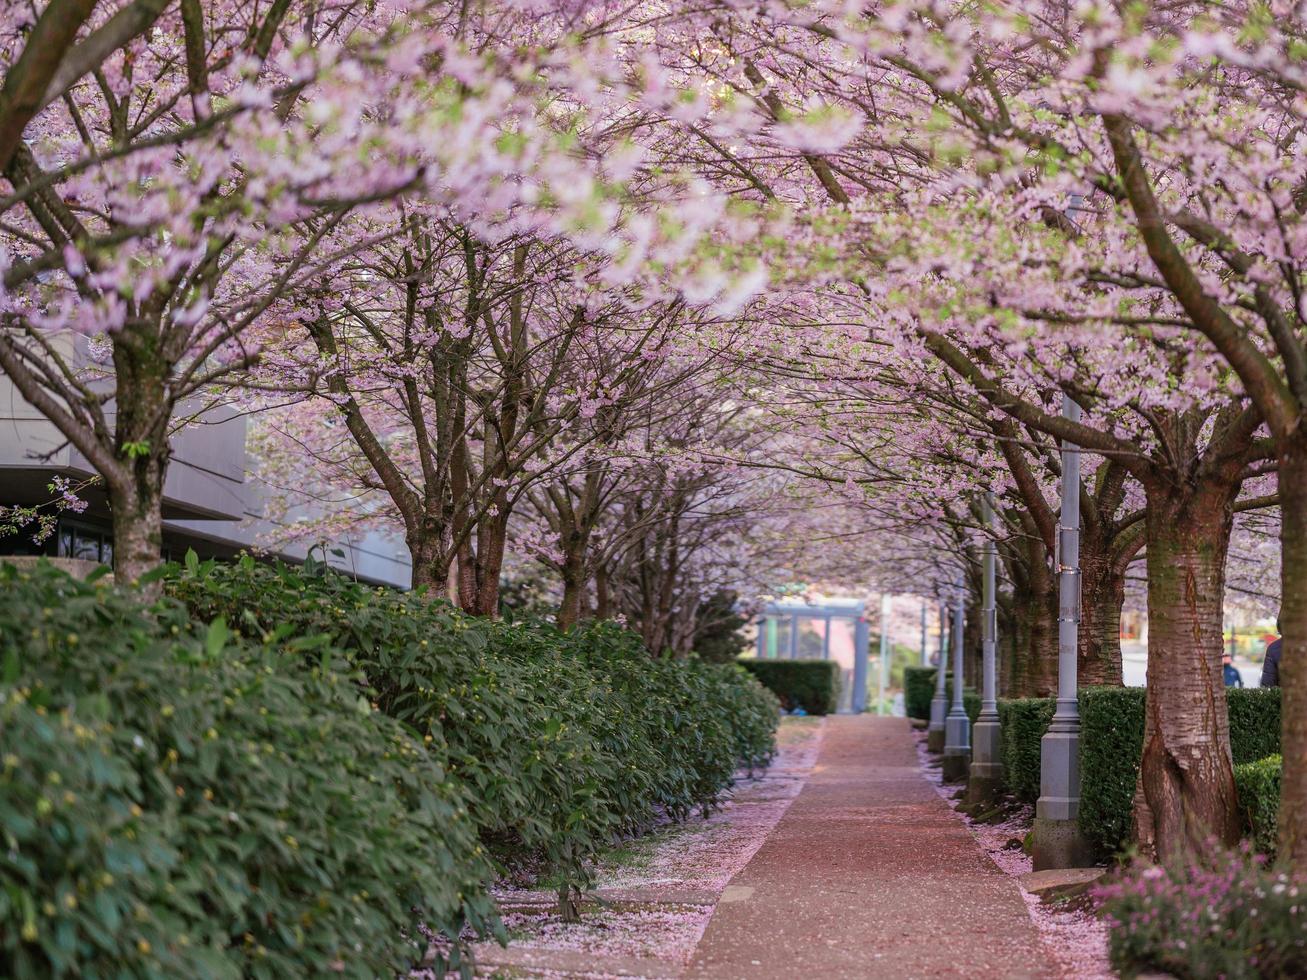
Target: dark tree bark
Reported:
[(1185, 798)]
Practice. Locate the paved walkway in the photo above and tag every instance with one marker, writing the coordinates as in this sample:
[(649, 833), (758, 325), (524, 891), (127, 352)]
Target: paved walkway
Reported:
[(869, 875)]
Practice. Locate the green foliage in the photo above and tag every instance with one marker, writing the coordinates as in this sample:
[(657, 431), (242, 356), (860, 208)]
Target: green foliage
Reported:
[(562, 741), (1023, 722), (1112, 739), (1254, 722), (204, 806), (1258, 784), (813, 685), (1228, 918), (720, 638), (918, 691), (971, 704)]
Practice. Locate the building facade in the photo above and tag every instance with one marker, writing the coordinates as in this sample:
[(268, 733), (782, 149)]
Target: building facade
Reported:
[(211, 504)]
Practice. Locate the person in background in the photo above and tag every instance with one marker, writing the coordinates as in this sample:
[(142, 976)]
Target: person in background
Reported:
[(1232, 678), (1271, 665)]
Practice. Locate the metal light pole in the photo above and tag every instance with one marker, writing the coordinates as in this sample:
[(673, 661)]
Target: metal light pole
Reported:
[(957, 726), (861, 640), (1057, 839), (883, 677), (925, 653), (986, 761), (939, 703)]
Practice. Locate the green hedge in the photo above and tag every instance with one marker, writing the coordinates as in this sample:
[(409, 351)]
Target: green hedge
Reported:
[(563, 740), (178, 802), (918, 691), (306, 791), (1112, 739), (1023, 722), (813, 685), (1258, 784)]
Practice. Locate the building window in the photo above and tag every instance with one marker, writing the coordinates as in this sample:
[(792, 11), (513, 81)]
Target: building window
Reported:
[(84, 541)]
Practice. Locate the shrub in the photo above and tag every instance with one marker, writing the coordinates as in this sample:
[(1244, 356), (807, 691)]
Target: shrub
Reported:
[(1259, 797), (1254, 722), (971, 704), (278, 824), (813, 685), (86, 871), (918, 691), (1234, 920), (1023, 722), (563, 741), (1112, 739)]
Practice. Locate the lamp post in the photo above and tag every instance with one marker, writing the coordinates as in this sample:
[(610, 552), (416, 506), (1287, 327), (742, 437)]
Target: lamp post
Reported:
[(1058, 842), (939, 703), (883, 673), (925, 653), (957, 726), (986, 761), (861, 638)]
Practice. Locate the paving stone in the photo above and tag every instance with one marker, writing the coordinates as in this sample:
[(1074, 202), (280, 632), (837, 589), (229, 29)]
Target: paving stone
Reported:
[(868, 875), (1058, 883)]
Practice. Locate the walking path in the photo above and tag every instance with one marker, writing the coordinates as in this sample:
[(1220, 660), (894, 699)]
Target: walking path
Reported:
[(869, 874)]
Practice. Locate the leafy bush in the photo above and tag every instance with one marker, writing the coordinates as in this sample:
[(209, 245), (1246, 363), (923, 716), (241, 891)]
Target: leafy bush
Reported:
[(230, 809), (1234, 920), (971, 704), (1254, 722), (563, 741), (918, 691), (1258, 784), (1112, 740), (1023, 722), (813, 685)]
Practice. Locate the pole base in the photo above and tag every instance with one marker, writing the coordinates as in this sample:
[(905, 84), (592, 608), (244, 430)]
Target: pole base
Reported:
[(935, 740), (1059, 844), (984, 784), (956, 765)]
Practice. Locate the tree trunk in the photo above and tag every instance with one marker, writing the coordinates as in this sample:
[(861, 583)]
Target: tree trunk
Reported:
[(1101, 597), (1293, 656), (430, 564), (573, 575), (603, 601), (1185, 797), (972, 646), (138, 525), (1034, 673), (142, 412)]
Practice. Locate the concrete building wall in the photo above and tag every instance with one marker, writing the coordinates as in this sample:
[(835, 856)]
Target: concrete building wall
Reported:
[(210, 502)]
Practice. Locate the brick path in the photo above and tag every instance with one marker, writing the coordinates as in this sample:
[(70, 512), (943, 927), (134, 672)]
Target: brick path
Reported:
[(869, 875)]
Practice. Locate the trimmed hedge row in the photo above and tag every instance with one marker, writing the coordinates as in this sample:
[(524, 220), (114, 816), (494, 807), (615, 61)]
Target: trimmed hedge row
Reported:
[(306, 793), (1258, 784), (178, 802), (1023, 722), (563, 740), (1112, 739), (813, 685), (919, 691)]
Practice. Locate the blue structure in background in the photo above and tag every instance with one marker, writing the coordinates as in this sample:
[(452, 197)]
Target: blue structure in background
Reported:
[(853, 693)]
